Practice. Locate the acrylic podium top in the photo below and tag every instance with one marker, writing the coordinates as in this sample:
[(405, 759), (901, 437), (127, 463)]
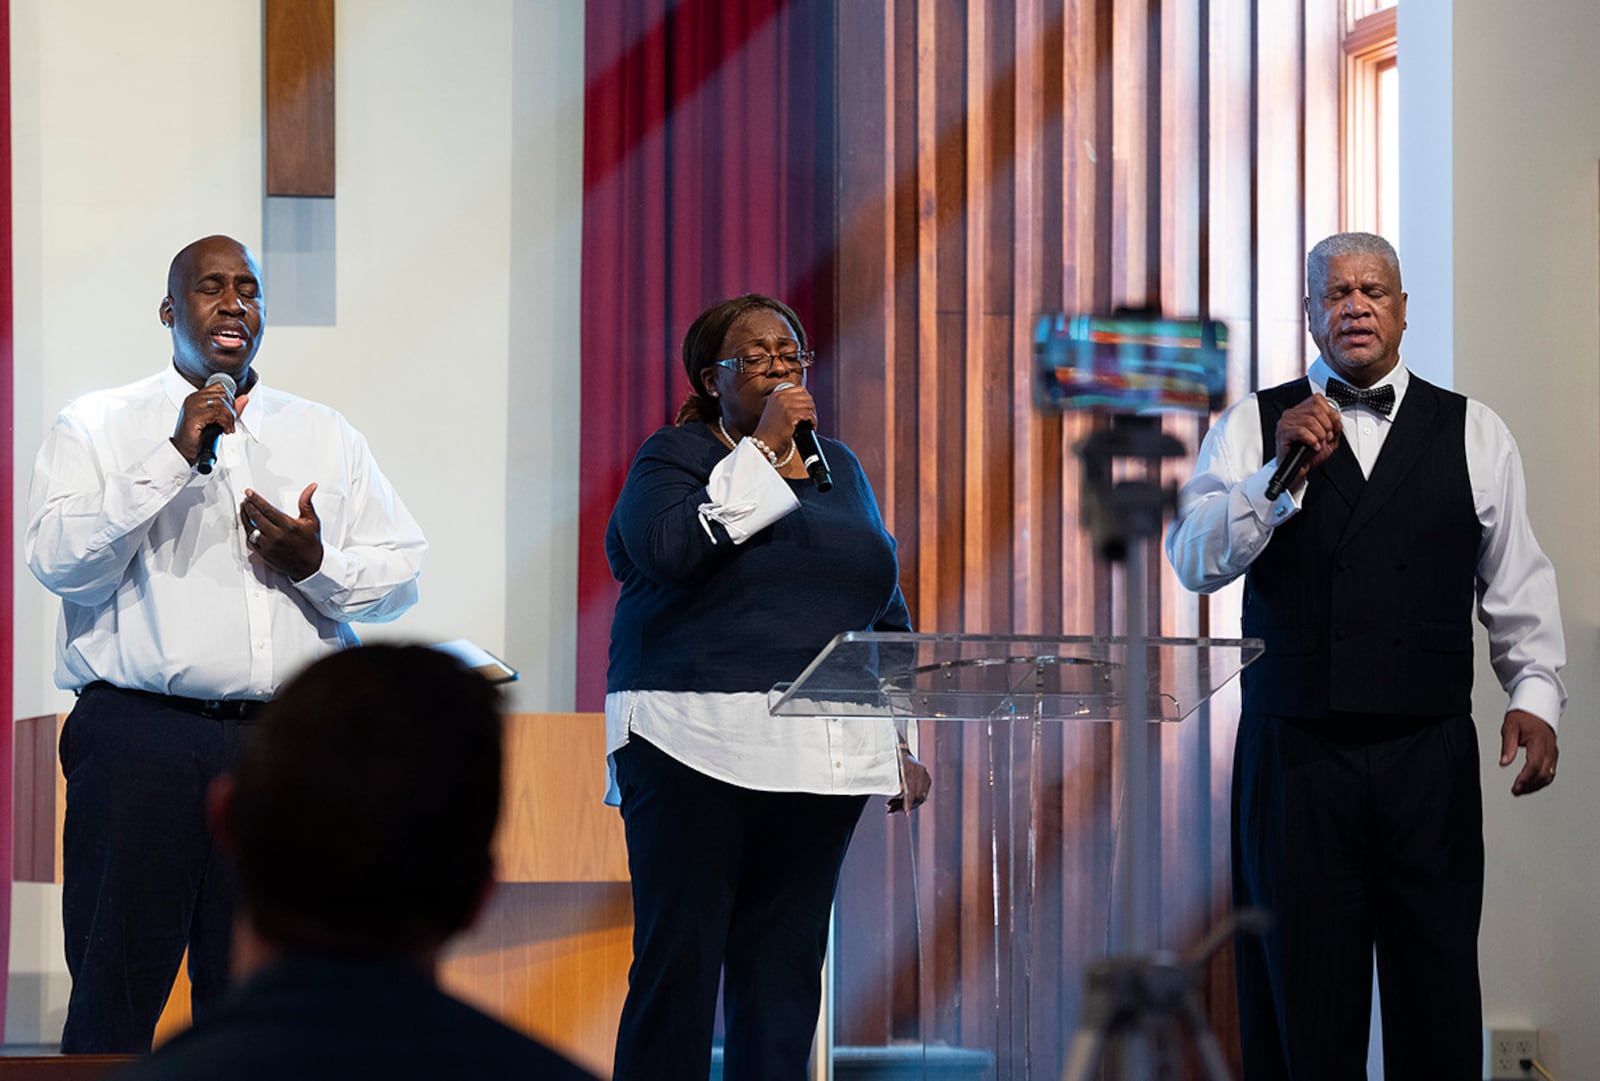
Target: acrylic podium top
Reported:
[(983, 677)]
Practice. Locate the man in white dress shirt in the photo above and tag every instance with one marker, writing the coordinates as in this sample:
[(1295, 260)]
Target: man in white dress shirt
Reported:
[(1357, 810), (188, 595)]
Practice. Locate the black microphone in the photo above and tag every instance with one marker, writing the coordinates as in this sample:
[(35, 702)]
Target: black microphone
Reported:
[(805, 441), (1293, 459), (212, 432)]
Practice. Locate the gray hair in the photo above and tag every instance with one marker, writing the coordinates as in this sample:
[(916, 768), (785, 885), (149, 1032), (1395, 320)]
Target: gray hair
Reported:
[(1340, 244)]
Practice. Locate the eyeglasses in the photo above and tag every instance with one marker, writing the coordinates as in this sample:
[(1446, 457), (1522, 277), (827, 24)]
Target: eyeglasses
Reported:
[(764, 363)]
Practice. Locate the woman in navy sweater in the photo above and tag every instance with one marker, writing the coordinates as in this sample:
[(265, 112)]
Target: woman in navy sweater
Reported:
[(735, 573)]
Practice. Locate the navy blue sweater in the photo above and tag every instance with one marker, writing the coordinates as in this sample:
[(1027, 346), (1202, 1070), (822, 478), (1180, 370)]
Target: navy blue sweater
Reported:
[(697, 616)]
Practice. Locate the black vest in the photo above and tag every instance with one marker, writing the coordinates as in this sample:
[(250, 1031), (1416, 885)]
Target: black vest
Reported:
[(1365, 598)]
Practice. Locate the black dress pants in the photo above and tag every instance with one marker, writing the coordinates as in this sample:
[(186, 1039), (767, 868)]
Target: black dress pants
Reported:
[(1359, 834), (141, 879), (726, 881)]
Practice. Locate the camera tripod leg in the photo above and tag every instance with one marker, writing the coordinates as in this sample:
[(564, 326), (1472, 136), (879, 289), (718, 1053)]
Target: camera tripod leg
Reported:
[(1138, 1012), (1083, 1055), (1212, 1065)]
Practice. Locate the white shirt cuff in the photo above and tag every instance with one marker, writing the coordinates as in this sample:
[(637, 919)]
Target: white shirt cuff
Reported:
[(745, 495), (1273, 512), (1539, 697)]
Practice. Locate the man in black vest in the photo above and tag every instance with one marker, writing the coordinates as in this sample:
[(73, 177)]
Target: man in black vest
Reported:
[(1357, 811)]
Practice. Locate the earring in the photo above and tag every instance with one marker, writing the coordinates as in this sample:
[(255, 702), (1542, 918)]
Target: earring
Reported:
[(712, 393)]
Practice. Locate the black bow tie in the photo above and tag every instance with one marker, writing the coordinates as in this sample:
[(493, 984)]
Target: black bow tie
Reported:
[(1378, 399)]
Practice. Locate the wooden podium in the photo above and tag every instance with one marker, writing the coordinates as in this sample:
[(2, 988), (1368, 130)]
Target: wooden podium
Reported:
[(550, 955)]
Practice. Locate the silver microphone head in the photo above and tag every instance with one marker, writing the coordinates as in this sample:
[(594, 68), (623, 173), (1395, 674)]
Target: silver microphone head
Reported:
[(223, 380), (782, 386)]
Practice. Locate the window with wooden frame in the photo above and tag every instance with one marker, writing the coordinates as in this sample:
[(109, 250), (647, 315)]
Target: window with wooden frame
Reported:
[(1371, 119)]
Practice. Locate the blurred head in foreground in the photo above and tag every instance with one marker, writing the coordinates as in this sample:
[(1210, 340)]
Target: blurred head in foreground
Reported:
[(363, 807)]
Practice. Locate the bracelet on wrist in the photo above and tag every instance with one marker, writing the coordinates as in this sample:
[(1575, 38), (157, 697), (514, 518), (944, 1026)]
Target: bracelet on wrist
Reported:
[(772, 455), (761, 445)]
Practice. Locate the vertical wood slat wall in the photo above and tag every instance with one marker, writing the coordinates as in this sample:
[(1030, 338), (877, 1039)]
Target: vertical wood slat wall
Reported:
[(998, 159)]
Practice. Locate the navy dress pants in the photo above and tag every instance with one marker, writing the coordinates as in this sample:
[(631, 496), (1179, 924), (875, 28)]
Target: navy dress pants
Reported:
[(141, 878), (733, 882), (1361, 835)]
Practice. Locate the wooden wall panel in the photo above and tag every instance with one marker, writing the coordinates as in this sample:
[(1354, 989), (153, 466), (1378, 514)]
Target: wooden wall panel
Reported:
[(1324, 60), (1003, 159), (1131, 80), (1280, 175), (554, 827), (39, 794), (1230, 267), (551, 959), (297, 68), (1035, 209), (1182, 122), (1190, 898)]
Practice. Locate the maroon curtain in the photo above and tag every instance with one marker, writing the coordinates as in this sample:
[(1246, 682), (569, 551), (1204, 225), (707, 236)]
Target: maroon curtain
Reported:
[(708, 172), (6, 460)]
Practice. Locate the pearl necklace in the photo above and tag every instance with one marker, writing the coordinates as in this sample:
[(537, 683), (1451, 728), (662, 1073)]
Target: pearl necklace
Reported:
[(732, 442)]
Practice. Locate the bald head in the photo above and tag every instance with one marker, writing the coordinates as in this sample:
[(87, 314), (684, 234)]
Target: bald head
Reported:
[(214, 308), (189, 252)]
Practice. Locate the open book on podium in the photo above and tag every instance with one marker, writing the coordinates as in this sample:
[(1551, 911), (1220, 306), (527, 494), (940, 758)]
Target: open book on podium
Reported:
[(1016, 687)]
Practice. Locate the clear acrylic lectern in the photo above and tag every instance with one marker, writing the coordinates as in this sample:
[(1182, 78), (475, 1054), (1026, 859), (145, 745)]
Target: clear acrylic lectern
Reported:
[(1004, 700)]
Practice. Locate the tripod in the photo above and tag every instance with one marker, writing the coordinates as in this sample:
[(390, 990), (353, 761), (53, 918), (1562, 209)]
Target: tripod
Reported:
[(1139, 1003), (1140, 1009)]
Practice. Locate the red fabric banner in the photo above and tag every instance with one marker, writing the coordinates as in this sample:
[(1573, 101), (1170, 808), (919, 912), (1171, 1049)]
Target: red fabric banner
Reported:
[(708, 172), (7, 458)]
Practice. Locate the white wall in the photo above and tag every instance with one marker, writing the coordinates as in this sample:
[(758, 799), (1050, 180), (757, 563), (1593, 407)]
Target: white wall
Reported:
[(137, 127), (1524, 284), (541, 481), (1426, 187)]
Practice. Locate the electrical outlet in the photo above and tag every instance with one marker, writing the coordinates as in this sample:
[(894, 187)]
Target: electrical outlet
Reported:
[(1504, 1051)]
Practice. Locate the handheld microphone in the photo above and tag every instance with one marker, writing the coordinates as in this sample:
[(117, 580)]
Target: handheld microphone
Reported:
[(1293, 459), (212, 432), (805, 441)]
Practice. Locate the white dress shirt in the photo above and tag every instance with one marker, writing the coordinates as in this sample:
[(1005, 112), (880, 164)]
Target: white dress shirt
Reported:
[(159, 591), (731, 736), (1225, 520)]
